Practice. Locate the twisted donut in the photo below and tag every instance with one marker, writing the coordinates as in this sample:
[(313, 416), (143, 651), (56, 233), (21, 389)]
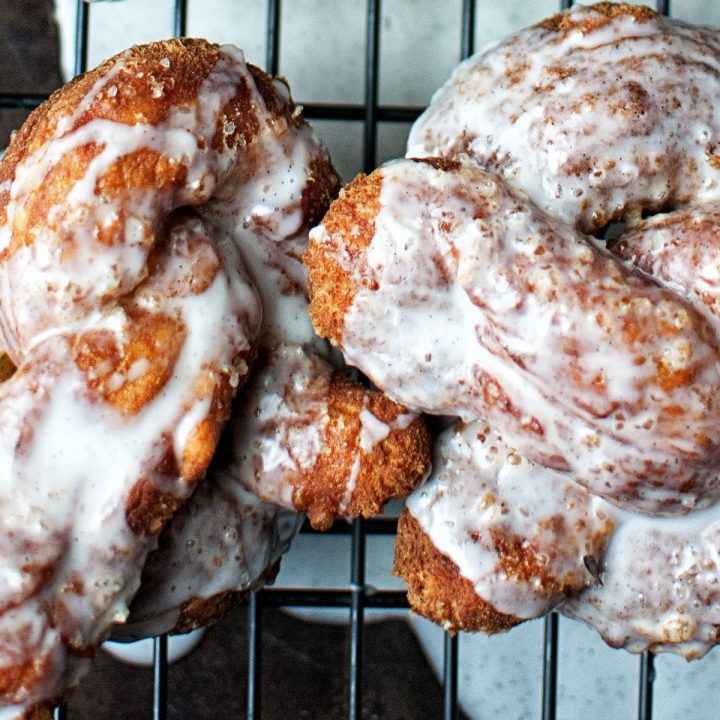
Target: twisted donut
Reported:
[(303, 437), (131, 324), (585, 473), (512, 317)]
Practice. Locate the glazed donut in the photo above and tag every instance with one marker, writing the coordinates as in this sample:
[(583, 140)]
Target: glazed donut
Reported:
[(514, 318), (303, 437), (598, 114), (584, 474), (125, 308)]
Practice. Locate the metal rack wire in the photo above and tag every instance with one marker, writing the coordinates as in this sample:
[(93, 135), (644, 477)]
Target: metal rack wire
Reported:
[(356, 598)]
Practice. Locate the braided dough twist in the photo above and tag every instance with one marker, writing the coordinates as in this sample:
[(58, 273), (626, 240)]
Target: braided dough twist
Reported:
[(584, 474), (125, 307), (182, 139)]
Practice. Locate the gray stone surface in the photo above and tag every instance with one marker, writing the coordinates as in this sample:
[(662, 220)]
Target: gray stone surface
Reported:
[(304, 676), (29, 55)]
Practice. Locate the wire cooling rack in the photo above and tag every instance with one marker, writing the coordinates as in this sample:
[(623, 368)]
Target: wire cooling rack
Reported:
[(357, 597)]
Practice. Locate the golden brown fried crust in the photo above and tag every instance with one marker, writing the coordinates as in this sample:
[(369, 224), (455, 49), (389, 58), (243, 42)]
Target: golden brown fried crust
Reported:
[(565, 23), (179, 67), (204, 612), (436, 589), (352, 219), (135, 100), (394, 466), (148, 509), (390, 469), (153, 337)]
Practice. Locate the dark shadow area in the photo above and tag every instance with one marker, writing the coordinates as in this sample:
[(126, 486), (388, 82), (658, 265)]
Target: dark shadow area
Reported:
[(29, 56), (304, 673)]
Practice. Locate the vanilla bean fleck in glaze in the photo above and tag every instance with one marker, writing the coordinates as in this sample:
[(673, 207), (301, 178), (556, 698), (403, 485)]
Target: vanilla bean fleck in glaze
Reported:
[(596, 115), (584, 473)]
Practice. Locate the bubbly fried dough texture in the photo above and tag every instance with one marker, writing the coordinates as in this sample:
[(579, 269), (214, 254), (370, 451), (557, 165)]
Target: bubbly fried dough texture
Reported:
[(303, 437), (488, 514), (464, 281), (329, 447), (126, 201), (330, 283), (436, 587), (599, 114)]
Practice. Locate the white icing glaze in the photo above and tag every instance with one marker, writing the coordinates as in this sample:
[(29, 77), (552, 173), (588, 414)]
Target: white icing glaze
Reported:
[(280, 429), (680, 250), (56, 289), (484, 499), (591, 123), (661, 577), (259, 204), (223, 539), (498, 312), (350, 485), (655, 585), (259, 201), (373, 430), (659, 585)]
